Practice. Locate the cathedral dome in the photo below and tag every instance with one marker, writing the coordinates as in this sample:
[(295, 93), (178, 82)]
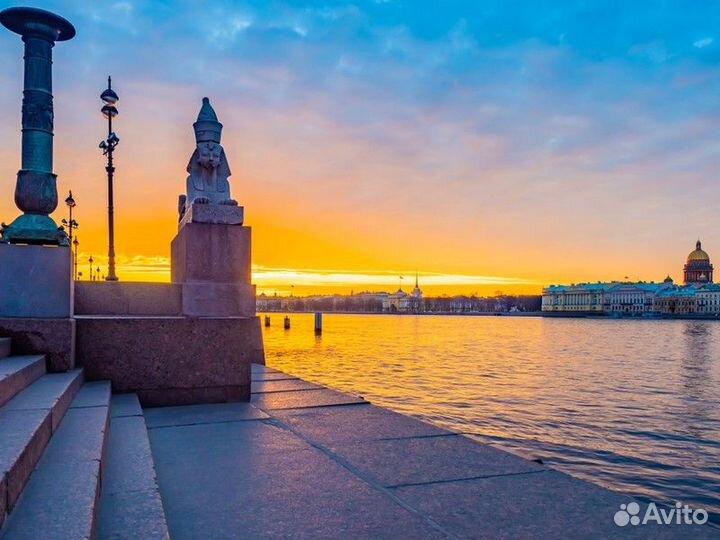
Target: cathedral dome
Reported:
[(698, 269), (698, 254)]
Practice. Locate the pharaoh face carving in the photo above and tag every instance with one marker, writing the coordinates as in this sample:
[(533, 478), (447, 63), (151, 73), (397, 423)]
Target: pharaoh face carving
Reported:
[(209, 154)]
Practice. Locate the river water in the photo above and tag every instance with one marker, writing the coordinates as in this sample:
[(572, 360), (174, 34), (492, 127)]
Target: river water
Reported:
[(632, 405)]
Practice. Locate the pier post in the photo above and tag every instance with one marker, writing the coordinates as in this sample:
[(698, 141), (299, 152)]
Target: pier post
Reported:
[(318, 323), (286, 323), (267, 321)]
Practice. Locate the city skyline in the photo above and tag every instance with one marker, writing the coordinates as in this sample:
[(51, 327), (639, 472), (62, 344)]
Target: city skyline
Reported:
[(485, 148)]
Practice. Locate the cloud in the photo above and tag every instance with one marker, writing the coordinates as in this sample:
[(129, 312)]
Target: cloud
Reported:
[(704, 42), (474, 139)]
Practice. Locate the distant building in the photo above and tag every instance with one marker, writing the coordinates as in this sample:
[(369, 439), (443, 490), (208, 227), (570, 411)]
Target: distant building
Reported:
[(402, 302), (698, 270), (708, 299), (677, 301), (583, 297), (697, 295)]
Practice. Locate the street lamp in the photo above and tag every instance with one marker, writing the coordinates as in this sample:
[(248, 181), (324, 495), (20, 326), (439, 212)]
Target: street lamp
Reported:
[(75, 258), (90, 260), (109, 111), (70, 223)]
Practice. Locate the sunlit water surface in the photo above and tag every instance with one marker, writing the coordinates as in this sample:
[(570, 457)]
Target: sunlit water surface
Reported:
[(630, 405)]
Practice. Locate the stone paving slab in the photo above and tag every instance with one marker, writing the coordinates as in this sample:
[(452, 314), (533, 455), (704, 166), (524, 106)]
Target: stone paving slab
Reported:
[(134, 515), (213, 437), (330, 425), (283, 385), (45, 392), (53, 392), (259, 368), (131, 507), (129, 465), (57, 504), (314, 470), (81, 436), (541, 506), (430, 459), (24, 435), (303, 399), (17, 373), (59, 501), (261, 482), (273, 377), (93, 394), (201, 414), (125, 405)]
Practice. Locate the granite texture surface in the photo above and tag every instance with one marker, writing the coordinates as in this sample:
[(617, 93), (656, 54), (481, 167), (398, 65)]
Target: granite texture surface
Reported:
[(60, 498), (17, 373), (308, 470), (35, 281), (213, 213), (127, 298), (212, 253), (208, 299), (55, 338), (131, 507), (171, 360)]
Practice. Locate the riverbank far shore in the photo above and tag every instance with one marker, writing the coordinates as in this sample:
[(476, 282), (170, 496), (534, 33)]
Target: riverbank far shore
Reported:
[(305, 461)]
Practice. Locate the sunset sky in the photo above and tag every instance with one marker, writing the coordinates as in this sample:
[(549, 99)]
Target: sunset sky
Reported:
[(486, 145)]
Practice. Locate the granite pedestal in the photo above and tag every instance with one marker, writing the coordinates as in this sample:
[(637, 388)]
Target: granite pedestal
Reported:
[(211, 253), (212, 263), (35, 281), (171, 360), (36, 302)]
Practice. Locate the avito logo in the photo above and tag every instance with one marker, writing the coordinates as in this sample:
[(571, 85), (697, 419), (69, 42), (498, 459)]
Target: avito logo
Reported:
[(680, 514)]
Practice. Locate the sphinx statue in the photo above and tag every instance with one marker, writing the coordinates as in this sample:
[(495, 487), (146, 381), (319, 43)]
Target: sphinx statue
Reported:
[(208, 167)]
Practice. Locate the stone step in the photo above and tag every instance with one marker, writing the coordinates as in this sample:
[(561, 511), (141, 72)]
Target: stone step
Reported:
[(61, 500), (5, 343), (17, 373), (27, 422), (130, 506)]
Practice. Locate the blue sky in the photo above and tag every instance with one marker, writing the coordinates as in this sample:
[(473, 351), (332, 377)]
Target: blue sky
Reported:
[(542, 141)]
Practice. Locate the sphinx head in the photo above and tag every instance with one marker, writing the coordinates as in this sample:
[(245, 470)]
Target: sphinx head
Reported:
[(209, 155)]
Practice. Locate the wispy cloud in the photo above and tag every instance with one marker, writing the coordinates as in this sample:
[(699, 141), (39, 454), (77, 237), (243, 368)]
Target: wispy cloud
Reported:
[(532, 142)]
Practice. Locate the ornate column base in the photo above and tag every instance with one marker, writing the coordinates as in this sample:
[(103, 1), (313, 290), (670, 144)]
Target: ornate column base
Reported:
[(34, 229)]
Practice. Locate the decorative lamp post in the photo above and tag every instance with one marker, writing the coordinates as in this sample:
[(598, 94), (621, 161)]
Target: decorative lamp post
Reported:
[(90, 260), (76, 243), (109, 110), (36, 188), (70, 223)]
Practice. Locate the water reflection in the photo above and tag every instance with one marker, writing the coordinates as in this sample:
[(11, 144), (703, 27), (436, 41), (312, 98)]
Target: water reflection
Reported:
[(632, 405)]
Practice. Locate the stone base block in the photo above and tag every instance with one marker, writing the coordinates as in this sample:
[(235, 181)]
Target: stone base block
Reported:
[(208, 252), (128, 298), (218, 300), (55, 338), (213, 213), (35, 281), (171, 360)]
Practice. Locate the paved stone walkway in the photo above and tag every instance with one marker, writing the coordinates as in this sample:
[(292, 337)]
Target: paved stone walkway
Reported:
[(305, 462)]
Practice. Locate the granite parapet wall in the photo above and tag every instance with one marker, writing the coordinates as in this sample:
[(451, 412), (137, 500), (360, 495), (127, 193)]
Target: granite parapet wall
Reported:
[(171, 360)]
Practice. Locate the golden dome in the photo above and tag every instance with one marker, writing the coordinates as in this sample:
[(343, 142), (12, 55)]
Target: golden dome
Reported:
[(698, 254)]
